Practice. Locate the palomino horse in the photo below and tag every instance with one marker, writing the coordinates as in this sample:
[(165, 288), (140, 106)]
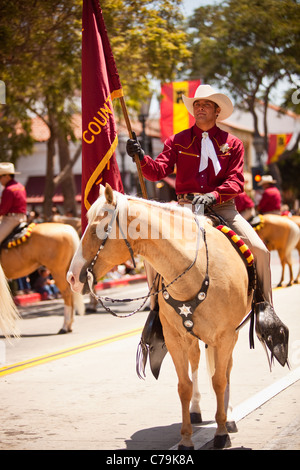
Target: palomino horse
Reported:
[(8, 310), (281, 234), (149, 229), (51, 245)]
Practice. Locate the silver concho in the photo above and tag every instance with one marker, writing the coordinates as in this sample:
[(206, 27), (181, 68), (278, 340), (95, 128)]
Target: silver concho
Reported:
[(166, 294), (201, 295), (188, 323)]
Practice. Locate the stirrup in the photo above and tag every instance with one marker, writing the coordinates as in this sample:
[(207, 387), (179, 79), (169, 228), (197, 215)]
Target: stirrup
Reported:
[(152, 344), (272, 333)]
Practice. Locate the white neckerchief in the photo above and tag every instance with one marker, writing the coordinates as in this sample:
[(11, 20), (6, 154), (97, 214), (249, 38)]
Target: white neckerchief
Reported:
[(208, 151)]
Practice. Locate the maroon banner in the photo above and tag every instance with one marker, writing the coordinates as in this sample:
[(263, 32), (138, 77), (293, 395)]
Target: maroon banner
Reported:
[(100, 85)]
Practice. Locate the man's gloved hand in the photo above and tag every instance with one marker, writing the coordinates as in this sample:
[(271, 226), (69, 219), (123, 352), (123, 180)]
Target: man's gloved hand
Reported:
[(207, 199), (133, 147)]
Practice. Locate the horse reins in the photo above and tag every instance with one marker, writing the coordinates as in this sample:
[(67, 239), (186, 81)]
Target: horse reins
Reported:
[(101, 299)]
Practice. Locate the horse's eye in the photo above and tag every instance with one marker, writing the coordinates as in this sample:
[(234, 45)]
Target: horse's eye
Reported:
[(93, 229)]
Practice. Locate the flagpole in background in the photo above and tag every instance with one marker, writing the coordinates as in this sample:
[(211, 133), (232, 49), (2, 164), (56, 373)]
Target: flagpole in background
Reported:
[(136, 157)]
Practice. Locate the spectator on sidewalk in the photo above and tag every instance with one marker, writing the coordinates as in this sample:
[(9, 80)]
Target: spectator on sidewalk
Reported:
[(45, 285)]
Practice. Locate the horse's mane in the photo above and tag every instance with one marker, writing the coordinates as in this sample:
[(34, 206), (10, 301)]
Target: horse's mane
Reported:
[(122, 200)]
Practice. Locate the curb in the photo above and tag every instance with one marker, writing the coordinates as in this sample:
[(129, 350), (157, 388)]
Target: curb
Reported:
[(26, 299), (123, 281)]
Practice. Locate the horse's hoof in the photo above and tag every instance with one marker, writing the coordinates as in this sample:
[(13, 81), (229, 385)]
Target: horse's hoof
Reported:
[(222, 441), (231, 426), (62, 331), (182, 447), (196, 418)]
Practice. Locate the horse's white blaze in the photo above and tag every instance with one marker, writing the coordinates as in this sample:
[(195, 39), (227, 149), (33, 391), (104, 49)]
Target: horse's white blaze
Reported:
[(74, 271)]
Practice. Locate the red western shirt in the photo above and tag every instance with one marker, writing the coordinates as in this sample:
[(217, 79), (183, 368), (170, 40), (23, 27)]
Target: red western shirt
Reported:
[(270, 201), (184, 151), (13, 198), (243, 202)]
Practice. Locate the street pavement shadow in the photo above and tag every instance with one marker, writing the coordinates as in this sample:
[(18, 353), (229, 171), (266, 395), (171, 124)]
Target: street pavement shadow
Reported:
[(158, 438)]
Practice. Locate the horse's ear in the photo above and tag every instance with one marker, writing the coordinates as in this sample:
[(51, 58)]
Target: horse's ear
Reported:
[(109, 195), (101, 190)]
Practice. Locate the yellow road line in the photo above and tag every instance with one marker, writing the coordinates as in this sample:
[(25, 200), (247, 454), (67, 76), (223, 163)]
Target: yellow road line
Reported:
[(19, 366)]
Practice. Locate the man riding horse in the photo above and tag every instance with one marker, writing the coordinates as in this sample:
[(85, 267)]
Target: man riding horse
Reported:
[(13, 200), (209, 171)]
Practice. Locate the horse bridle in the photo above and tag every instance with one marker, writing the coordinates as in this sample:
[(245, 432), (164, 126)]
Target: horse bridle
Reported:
[(91, 278), (115, 216)]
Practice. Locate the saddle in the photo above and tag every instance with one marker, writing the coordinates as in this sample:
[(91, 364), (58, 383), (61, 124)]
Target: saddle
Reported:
[(19, 235)]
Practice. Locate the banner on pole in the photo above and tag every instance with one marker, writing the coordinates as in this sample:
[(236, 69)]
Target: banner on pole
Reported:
[(100, 86), (277, 145), (174, 117)]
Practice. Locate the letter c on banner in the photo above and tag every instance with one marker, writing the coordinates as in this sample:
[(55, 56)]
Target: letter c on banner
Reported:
[(88, 141)]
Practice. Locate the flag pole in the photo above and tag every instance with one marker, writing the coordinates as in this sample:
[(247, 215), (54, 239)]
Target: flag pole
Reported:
[(136, 158)]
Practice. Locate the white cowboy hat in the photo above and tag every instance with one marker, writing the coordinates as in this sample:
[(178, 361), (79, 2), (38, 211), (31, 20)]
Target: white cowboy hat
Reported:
[(206, 92), (7, 168), (266, 179)]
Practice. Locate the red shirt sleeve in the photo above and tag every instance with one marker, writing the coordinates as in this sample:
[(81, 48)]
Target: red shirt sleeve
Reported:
[(243, 201)]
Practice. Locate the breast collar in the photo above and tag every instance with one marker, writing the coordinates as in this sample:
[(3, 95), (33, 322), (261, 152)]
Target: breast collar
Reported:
[(186, 309)]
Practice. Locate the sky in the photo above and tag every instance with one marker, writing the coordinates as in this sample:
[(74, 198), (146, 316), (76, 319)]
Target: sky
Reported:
[(189, 5)]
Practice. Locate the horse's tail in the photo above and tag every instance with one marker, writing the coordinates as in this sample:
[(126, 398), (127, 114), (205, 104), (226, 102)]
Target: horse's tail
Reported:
[(293, 238), (8, 310)]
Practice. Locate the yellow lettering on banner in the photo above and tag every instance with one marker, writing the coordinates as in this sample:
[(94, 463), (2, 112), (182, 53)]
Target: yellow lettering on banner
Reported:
[(95, 126), (85, 139), (180, 113)]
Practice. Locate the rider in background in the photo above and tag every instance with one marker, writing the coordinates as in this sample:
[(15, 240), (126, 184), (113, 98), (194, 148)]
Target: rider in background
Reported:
[(13, 200), (209, 169), (245, 205), (270, 202)]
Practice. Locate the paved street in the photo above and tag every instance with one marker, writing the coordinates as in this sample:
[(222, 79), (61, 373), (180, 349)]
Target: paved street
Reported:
[(81, 391)]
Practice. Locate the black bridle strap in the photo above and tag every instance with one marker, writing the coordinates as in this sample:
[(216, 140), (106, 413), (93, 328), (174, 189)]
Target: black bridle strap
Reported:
[(115, 216), (107, 233), (127, 242)]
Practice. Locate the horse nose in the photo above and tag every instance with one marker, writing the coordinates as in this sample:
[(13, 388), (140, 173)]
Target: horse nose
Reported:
[(71, 279)]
